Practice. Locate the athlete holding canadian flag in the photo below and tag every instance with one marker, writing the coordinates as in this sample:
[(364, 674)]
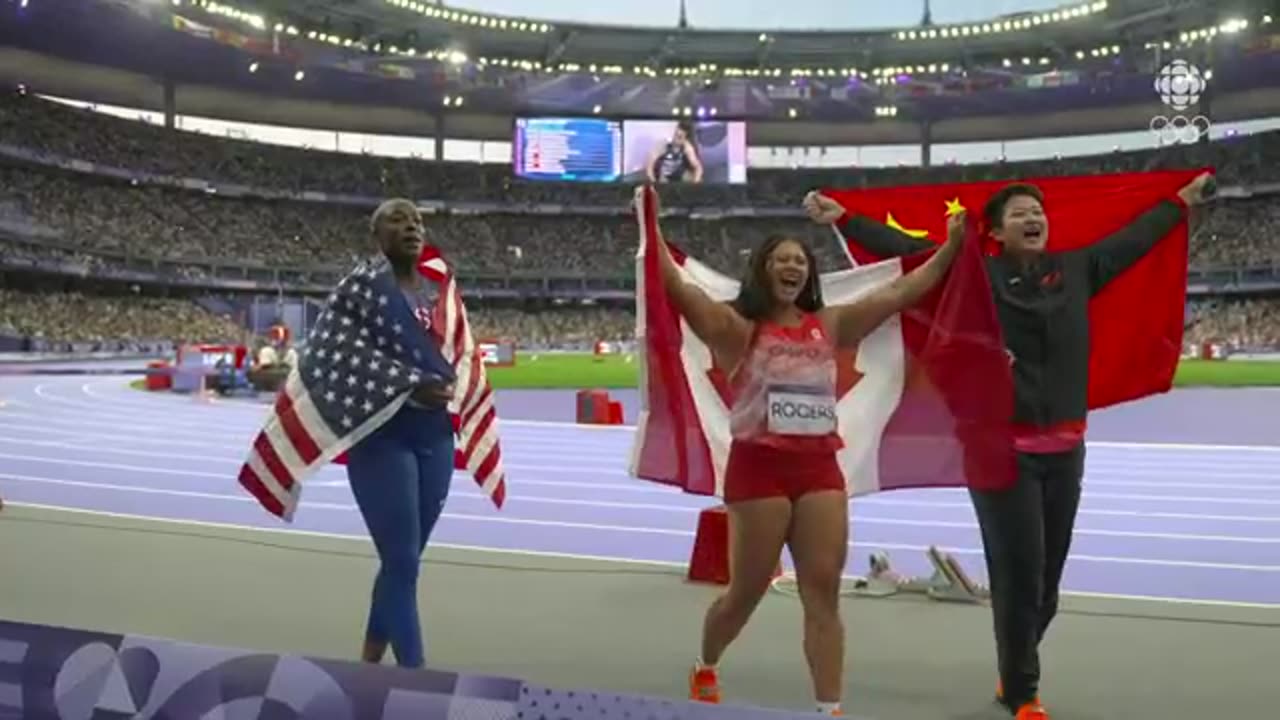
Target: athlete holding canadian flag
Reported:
[(777, 344)]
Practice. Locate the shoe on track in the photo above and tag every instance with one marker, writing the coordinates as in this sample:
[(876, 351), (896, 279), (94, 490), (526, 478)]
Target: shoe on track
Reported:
[(704, 685)]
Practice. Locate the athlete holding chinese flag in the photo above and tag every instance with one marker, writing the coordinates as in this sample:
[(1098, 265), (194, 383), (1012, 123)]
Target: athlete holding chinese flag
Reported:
[(1043, 302)]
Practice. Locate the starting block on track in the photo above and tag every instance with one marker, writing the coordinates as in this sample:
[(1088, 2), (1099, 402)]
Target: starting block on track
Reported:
[(949, 582)]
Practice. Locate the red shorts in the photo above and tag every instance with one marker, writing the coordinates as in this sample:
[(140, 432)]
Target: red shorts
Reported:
[(757, 471)]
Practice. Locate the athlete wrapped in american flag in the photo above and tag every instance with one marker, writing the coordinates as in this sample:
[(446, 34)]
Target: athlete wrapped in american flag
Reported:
[(392, 381)]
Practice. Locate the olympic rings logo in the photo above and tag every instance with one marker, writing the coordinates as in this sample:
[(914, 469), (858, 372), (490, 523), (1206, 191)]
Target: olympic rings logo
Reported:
[(1179, 128)]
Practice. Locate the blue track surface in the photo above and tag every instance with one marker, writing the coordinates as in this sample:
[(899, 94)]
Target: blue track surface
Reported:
[(1173, 521)]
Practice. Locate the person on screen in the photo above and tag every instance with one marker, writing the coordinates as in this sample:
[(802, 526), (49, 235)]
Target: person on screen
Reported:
[(1042, 299), (783, 484), (676, 160)]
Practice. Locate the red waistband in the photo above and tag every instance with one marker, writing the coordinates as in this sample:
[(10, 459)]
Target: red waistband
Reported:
[(1058, 437)]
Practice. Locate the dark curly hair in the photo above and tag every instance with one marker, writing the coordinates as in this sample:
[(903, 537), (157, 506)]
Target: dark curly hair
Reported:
[(754, 300)]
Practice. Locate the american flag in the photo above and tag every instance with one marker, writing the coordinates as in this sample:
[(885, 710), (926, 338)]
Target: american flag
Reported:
[(364, 356)]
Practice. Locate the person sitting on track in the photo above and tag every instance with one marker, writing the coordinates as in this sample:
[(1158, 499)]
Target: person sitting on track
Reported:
[(1043, 304), (783, 483), (400, 473)]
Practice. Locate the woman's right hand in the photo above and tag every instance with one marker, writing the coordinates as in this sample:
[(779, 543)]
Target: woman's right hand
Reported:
[(822, 209)]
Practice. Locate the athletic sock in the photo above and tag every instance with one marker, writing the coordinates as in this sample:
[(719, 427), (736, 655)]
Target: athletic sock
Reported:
[(699, 664), (828, 708)]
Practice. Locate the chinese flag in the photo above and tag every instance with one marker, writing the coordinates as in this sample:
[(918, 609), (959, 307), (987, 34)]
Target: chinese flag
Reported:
[(1136, 322)]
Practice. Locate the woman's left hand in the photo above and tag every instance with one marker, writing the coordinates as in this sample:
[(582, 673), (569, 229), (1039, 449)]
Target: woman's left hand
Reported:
[(1193, 193), (956, 228)]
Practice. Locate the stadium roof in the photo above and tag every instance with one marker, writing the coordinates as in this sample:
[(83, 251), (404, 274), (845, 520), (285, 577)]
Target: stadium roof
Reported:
[(430, 27)]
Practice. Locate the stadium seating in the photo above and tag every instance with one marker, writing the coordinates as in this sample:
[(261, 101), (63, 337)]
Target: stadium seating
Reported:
[(90, 224)]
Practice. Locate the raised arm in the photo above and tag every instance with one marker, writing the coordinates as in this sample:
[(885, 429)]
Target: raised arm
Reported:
[(1117, 252), (715, 323), (851, 322), (875, 236)]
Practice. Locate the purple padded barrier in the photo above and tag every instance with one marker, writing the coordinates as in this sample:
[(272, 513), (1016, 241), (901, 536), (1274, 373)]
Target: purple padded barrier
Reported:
[(50, 673), (62, 674)]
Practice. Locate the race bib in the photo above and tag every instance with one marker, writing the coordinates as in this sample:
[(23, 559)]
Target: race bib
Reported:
[(801, 410)]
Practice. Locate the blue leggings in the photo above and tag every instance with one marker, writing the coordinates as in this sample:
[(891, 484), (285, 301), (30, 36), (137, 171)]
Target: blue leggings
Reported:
[(400, 477)]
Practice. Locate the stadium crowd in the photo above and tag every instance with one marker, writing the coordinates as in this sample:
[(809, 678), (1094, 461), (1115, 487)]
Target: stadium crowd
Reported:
[(59, 129), (147, 222), (108, 226), (60, 317)]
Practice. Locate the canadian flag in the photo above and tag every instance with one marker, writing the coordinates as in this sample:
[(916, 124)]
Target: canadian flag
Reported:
[(925, 401)]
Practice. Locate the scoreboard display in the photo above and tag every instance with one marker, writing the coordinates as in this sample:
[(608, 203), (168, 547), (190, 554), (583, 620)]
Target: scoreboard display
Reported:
[(568, 149)]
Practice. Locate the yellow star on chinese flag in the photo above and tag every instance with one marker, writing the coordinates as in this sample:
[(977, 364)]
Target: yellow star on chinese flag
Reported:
[(893, 223), (955, 207)]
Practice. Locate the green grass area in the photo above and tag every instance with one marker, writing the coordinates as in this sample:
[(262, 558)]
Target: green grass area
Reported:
[(1236, 373), (581, 370), (574, 371), (566, 370)]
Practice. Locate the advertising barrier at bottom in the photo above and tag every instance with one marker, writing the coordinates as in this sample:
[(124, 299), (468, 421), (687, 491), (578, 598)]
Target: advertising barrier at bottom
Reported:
[(51, 673)]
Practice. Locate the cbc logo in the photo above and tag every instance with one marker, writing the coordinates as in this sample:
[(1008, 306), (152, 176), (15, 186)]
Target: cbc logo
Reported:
[(1179, 85)]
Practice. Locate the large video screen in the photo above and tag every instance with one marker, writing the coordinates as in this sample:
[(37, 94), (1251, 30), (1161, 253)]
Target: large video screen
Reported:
[(568, 149), (685, 151)]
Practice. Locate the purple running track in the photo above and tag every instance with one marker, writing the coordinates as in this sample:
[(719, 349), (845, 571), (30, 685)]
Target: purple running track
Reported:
[(1176, 520)]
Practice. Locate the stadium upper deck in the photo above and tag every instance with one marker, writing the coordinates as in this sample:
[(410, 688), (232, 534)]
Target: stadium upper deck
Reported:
[(409, 68)]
